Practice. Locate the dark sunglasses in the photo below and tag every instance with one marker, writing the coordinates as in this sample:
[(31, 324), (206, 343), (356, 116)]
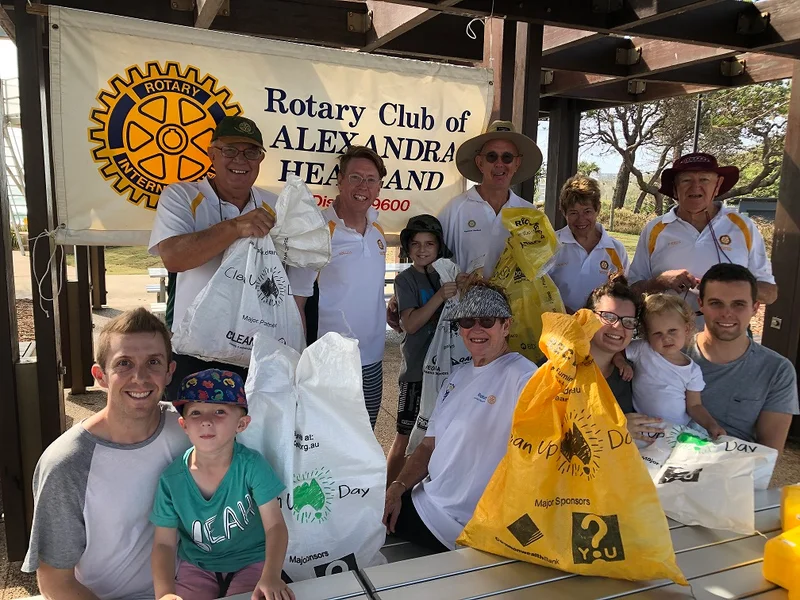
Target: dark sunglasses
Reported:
[(485, 322), (506, 157), (611, 318)]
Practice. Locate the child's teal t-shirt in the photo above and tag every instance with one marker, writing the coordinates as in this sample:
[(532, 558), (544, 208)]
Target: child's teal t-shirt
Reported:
[(223, 534)]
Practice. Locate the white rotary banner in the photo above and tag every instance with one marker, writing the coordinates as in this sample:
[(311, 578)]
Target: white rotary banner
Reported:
[(134, 104)]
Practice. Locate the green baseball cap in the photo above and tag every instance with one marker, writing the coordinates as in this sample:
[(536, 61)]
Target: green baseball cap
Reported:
[(238, 129)]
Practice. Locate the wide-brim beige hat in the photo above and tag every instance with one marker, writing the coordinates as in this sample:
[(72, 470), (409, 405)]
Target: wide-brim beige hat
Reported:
[(499, 130)]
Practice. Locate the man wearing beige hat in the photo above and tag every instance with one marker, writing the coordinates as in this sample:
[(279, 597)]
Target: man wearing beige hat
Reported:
[(472, 223)]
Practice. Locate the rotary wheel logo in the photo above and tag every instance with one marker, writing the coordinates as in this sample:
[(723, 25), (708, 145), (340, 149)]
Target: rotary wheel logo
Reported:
[(153, 128)]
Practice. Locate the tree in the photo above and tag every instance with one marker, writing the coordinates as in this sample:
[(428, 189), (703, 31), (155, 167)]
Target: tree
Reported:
[(744, 126), (589, 169), (624, 129)]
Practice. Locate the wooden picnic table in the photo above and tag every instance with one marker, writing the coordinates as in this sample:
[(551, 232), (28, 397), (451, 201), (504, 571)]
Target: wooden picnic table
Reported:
[(718, 564)]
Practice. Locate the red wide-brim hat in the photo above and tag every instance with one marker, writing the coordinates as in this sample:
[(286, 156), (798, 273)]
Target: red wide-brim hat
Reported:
[(698, 161)]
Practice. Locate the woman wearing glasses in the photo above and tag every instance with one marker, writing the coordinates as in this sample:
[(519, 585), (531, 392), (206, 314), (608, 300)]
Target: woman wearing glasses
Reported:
[(617, 307), (436, 493), (351, 298)]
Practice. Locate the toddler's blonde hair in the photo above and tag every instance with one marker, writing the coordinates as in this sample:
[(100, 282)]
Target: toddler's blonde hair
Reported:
[(659, 304)]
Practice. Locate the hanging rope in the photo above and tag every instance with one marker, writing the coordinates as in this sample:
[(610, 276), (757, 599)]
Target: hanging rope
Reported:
[(40, 280)]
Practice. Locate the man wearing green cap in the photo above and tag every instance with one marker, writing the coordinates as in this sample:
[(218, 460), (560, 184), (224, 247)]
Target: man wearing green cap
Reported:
[(197, 221)]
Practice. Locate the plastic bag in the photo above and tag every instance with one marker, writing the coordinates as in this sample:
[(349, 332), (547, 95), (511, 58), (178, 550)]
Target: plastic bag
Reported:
[(703, 484), (658, 452), (446, 352), (522, 273), (250, 292), (301, 234), (272, 404), (314, 429), (571, 491)]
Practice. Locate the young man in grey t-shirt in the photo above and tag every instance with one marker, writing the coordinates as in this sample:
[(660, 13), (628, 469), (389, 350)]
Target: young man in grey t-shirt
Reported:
[(94, 486), (750, 390)]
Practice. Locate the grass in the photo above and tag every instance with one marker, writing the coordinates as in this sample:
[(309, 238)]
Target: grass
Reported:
[(628, 240), (134, 260), (126, 260)]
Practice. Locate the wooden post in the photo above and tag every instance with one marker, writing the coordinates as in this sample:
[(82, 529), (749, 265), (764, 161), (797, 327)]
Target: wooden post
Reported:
[(562, 155), (39, 198), (782, 319), (97, 267), (526, 87), (11, 473)]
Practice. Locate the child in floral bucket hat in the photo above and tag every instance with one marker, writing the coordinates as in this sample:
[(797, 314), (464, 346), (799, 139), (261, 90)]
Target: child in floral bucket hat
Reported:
[(218, 504)]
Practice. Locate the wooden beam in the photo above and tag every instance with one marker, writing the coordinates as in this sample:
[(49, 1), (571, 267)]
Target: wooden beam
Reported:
[(39, 198), (389, 21), (732, 25), (782, 320), (567, 81), (440, 38), (617, 92), (7, 24), (527, 78), (12, 477), (206, 12), (562, 154), (555, 39)]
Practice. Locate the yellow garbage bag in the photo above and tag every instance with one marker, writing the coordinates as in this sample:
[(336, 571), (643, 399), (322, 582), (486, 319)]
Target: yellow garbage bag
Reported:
[(572, 491), (521, 272)]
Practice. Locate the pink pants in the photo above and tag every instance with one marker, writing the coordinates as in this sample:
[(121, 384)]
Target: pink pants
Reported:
[(194, 583)]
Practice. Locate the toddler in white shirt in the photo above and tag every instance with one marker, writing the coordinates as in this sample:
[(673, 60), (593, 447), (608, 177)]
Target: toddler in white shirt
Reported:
[(667, 383)]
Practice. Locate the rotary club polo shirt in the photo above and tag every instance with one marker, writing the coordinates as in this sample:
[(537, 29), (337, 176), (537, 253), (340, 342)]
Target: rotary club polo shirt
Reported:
[(351, 299), (194, 206), (474, 232), (577, 272), (668, 242)]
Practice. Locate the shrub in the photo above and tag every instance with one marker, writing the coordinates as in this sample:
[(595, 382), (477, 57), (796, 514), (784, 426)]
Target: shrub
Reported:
[(767, 230), (625, 221)]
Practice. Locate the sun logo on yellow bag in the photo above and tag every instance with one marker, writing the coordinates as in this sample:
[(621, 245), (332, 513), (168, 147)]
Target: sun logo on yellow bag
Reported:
[(154, 126), (579, 446)]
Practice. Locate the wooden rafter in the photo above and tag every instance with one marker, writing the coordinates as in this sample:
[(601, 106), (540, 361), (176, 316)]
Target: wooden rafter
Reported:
[(392, 20), (206, 12), (8, 25)]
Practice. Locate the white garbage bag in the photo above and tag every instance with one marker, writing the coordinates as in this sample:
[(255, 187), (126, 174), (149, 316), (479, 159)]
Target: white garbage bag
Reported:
[(702, 483), (447, 351), (250, 292), (301, 234), (656, 453), (318, 438), (272, 404)]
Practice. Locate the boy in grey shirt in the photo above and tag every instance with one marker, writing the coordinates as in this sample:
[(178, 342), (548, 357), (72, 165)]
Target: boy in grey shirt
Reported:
[(750, 390), (94, 486)]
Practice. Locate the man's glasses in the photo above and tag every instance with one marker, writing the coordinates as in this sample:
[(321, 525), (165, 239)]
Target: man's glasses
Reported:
[(506, 157), (249, 153), (355, 179), (611, 318), (485, 322)]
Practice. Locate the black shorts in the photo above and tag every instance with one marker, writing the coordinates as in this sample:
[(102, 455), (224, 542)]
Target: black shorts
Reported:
[(408, 406)]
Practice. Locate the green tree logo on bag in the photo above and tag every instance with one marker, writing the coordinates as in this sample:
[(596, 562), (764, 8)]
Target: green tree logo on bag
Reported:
[(312, 496)]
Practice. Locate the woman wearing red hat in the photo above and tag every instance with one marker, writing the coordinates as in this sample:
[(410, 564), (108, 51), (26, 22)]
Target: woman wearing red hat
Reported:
[(676, 249)]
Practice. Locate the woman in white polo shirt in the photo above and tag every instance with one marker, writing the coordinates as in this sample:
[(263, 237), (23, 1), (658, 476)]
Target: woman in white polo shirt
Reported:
[(351, 298), (588, 256)]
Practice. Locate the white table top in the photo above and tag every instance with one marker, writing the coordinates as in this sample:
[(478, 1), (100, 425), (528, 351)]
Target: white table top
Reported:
[(717, 560), (718, 564)]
